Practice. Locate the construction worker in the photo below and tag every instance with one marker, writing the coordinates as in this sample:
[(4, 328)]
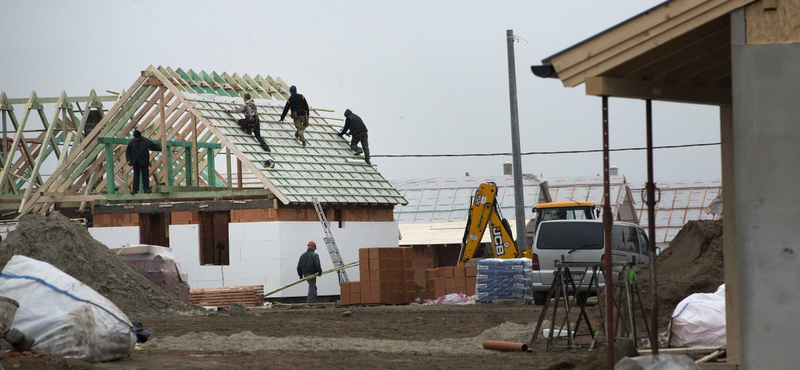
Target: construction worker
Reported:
[(299, 106), (137, 154), (308, 266), (358, 132), (250, 123)]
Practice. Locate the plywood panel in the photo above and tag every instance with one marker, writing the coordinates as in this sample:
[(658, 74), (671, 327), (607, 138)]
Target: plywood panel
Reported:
[(766, 26)]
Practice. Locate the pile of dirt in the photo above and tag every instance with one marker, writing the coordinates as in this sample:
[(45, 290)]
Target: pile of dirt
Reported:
[(693, 263), (54, 239)]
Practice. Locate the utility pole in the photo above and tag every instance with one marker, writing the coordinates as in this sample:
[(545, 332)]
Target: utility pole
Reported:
[(519, 195)]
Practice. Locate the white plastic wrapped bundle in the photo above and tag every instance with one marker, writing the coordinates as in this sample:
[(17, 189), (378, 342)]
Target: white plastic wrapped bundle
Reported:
[(699, 320), (504, 280), (64, 316)]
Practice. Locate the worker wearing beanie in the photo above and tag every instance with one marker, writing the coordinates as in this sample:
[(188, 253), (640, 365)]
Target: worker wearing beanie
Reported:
[(299, 107), (137, 154), (358, 130), (309, 266)]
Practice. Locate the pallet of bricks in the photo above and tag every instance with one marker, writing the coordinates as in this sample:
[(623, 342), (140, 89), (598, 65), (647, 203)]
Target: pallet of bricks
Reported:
[(387, 277), (249, 295), (451, 279)]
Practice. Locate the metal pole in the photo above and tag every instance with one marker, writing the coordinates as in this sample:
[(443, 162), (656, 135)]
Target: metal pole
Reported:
[(519, 195), (607, 220), (651, 230)]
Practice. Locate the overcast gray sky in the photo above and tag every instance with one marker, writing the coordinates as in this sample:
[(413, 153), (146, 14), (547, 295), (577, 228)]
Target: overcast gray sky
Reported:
[(427, 77)]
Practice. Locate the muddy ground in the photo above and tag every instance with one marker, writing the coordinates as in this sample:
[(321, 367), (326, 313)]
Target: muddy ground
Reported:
[(389, 337)]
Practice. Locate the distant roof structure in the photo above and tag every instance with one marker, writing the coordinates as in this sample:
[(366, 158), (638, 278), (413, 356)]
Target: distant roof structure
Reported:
[(681, 202), (448, 199), (187, 110), (590, 189), (437, 207)]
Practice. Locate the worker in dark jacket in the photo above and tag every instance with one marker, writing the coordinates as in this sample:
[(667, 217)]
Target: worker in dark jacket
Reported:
[(308, 266), (250, 123), (358, 132), (137, 154), (299, 107)]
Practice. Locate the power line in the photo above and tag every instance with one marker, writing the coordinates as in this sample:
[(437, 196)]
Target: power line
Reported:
[(539, 153)]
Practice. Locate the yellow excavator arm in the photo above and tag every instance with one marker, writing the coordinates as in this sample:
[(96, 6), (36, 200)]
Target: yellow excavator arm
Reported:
[(484, 211)]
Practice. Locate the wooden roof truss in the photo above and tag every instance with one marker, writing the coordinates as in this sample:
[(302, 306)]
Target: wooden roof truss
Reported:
[(29, 144), (185, 112)]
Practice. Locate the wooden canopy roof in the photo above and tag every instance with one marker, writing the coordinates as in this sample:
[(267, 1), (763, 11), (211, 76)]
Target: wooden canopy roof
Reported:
[(676, 51)]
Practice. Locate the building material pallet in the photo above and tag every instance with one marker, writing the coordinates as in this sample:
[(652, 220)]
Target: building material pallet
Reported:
[(223, 297)]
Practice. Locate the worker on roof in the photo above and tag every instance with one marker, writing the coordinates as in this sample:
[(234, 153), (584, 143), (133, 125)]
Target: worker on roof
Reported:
[(309, 266), (299, 107), (137, 154), (250, 123), (358, 132)]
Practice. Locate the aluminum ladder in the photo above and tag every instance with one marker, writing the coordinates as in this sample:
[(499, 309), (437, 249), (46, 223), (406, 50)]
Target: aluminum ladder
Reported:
[(333, 250)]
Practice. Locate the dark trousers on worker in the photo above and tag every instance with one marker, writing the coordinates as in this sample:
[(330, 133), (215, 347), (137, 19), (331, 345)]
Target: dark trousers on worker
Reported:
[(312, 289), (144, 172), (255, 127), (362, 137)]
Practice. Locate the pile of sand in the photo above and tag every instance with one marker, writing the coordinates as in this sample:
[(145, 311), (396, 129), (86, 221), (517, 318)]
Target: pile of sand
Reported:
[(693, 263), (68, 246)]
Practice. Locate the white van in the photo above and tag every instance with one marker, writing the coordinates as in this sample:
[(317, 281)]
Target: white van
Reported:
[(582, 241)]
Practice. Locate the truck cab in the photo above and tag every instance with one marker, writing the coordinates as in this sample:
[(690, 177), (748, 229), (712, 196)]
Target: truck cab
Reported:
[(568, 210)]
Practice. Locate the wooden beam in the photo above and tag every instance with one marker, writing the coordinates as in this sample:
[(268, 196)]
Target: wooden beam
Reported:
[(183, 206), (634, 89)]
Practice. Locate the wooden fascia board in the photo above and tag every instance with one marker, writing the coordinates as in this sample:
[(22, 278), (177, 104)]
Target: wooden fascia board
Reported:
[(635, 89), (637, 36), (219, 135)]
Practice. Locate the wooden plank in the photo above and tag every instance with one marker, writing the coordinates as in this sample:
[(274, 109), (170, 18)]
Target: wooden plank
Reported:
[(617, 87)]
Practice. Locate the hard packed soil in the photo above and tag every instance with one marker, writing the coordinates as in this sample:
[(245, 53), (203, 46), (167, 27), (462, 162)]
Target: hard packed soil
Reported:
[(322, 336)]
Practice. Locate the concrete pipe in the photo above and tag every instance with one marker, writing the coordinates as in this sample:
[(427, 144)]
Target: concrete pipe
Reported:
[(504, 346)]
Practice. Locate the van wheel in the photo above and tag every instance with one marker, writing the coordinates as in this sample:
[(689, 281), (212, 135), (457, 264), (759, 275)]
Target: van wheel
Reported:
[(539, 297)]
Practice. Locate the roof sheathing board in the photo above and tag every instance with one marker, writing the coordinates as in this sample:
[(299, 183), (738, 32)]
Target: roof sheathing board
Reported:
[(325, 169)]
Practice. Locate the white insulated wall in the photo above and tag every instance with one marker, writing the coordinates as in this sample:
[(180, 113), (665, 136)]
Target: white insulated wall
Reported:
[(116, 237), (266, 253)]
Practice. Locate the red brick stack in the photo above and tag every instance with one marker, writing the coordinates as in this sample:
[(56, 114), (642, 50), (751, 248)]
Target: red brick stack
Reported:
[(450, 279), (387, 277)]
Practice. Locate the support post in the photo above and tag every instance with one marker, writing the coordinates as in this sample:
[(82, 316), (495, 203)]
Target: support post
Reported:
[(189, 164), (162, 106), (651, 228), (195, 152), (109, 168), (519, 194), (228, 163), (607, 220), (212, 173)]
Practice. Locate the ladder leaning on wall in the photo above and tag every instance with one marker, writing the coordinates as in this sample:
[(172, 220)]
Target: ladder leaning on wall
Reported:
[(333, 250)]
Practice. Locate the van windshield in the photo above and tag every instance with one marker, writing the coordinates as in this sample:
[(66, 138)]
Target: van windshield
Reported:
[(584, 235)]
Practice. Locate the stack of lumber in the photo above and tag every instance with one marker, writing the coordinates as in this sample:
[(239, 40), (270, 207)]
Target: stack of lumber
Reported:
[(249, 295), (387, 277), (451, 279)]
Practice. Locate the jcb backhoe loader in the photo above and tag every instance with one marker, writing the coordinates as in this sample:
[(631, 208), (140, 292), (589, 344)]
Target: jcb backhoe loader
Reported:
[(484, 211)]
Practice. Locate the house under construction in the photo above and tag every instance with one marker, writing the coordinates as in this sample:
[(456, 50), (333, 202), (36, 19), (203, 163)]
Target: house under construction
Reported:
[(223, 232)]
